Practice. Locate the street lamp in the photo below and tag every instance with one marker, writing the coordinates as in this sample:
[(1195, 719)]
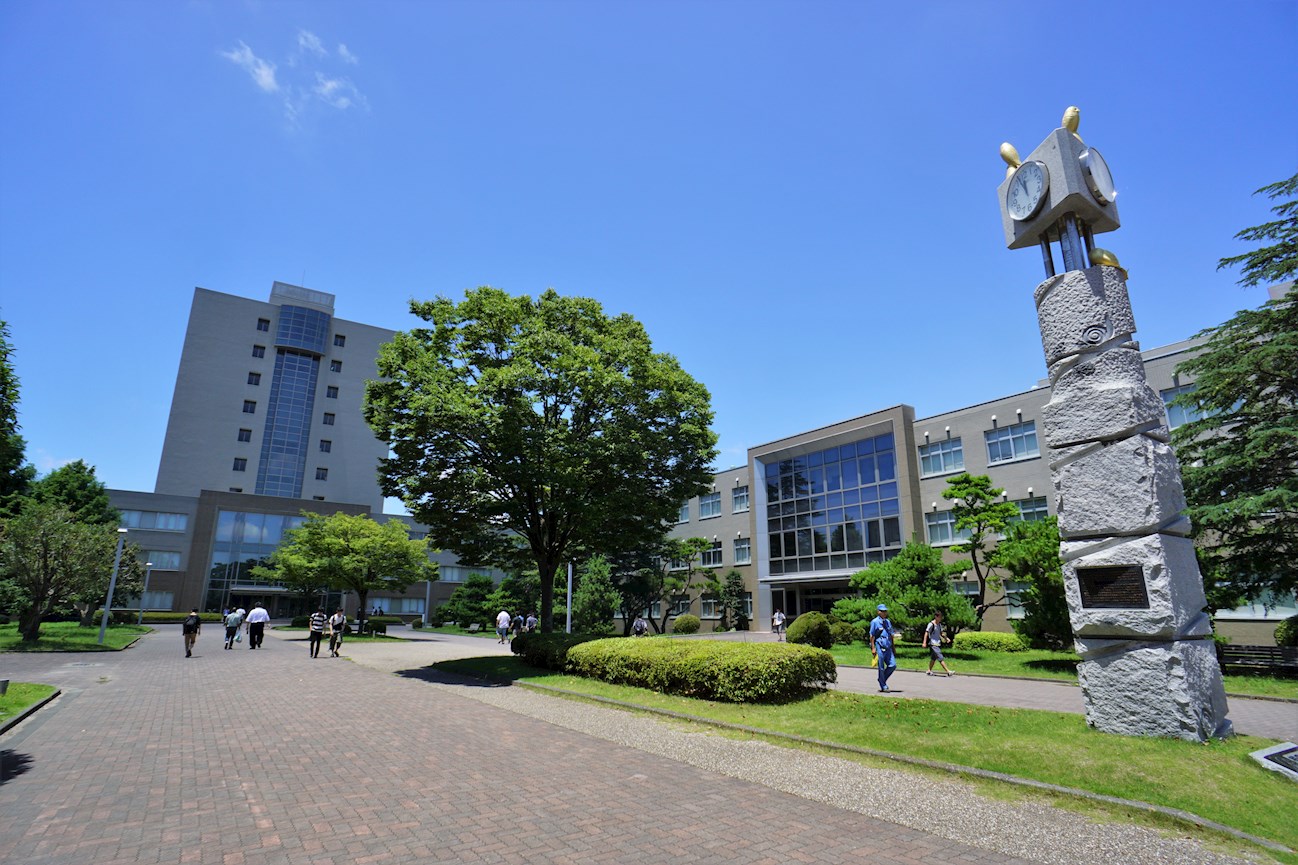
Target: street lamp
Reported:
[(112, 584), (148, 569)]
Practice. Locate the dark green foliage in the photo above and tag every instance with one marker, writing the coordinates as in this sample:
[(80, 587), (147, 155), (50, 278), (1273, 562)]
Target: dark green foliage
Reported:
[(547, 651), (594, 601), (686, 624), (300, 622), (470, 603), (1030, 554), (990, 641), (706, 669), (844, 633), (979, 509), (1278, 262), (75, 487), (811, 629), (162, 617), (15, 474), (1286, 633), (914, 585), (527, 430)]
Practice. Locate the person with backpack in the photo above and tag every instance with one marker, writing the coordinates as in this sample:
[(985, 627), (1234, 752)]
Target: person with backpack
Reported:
[(190, 628), (337, 625), (639, 627), (233, 621), (316, 626)]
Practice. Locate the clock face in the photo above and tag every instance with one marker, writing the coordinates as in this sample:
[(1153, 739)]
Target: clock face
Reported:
[(1098, 177), (1027, 190)]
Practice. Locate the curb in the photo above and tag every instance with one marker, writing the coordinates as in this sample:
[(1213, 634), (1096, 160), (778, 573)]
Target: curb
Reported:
[(952, 768), (26, 713)]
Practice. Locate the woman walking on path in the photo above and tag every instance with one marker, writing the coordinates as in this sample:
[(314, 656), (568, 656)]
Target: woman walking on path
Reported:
[(933, 640), (777, 625)]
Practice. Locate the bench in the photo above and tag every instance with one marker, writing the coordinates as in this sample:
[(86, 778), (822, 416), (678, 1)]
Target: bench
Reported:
[(474, 628), (1268, 659)]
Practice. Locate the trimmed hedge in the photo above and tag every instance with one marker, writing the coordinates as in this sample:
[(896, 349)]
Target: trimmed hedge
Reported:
[(547, 651), (988, 641), (160, 617), (686, 624), (1286, 633), (811, 629), (845, 633), (706, 669)]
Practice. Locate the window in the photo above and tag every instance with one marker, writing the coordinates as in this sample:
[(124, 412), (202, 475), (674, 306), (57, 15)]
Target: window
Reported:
[(322, 474), (331, 392), (318, 498), (259, 351), (245, 435), (163, 560), (161, 522), (1178, 414), (712, 556), (743, 551), (708, 608), (249, 407), (326, 446), (1013, 442), (328, 419), (154, 600), (681, 605), (254, 378), (236, 489), (263, 324), (340, 340), (335, 366), (739, 499), (240, 464), (709, 505), (941, 457), (1032, 510), (942, 530), (684, 515)]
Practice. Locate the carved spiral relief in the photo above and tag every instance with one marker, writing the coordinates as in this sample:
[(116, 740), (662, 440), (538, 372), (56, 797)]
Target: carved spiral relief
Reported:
[(1095, 334)]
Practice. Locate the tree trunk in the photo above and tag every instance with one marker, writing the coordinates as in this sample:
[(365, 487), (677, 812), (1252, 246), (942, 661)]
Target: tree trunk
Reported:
[(362, 596), (87, 614), (547, 572), (30, 626)]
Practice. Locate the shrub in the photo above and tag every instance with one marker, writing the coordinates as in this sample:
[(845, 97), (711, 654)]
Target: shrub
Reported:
[(845, 634), (1286, 633), (706, 669), (547, 651), (687, 624), (300, 622), (163, 617), (990, 641), (811, 629), (417, 623)]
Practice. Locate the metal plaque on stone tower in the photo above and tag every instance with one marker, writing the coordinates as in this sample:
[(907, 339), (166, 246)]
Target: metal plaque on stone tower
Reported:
[(1135, 595)]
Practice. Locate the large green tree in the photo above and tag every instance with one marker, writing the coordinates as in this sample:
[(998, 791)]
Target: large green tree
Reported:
[(1239, 460), (75, 487), (15, 473), (914, 584), (527, 430), (351, 553), (981, 511), (1029, 553), (594, 601)]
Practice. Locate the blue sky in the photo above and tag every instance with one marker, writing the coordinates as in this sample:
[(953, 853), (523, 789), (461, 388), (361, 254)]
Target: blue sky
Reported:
[(790, 196)]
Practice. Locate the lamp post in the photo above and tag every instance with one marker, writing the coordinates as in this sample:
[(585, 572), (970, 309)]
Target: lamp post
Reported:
[(148, 569), (112, 584)]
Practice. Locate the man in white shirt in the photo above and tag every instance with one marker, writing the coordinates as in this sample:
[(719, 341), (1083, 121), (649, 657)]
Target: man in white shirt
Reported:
[(257, 620), (502, 625)]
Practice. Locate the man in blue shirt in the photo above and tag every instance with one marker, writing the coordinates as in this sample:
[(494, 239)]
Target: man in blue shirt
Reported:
[(881, 639)]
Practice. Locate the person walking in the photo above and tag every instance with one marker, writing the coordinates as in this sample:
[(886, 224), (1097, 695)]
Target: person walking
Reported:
[(337, 624), (777, 625), (933, 640), (640, 628), (233, 621), (881, 646), (315, 631), (502, 625), (531, 622), (190, 628), (257, 620)]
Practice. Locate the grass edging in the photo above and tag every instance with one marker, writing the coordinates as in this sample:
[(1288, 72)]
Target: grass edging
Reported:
[(30, 710), (950, 768)]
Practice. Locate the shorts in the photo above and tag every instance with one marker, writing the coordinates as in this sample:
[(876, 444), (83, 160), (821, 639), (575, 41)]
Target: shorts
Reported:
[(935, 653)]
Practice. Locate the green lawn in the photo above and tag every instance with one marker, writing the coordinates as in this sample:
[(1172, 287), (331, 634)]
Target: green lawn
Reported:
[(21, 695), (1038, 664), (70, 637), (1057, 748), (447, 629)]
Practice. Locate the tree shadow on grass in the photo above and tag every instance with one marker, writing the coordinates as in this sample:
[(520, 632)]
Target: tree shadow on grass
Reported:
[(13, 764), (1053, 665), (489, 672)]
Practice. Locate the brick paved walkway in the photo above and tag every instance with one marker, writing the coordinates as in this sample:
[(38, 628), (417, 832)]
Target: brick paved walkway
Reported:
[(270, 758)]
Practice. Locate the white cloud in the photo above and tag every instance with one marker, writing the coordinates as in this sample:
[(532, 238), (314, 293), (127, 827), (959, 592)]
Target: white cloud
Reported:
[(338, 92), (262, 71), (347, 56), (310, 43)]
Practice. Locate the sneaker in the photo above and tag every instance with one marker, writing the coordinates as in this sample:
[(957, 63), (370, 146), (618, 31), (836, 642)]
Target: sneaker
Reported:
[(884, 689), (929, 673), (188, 653)]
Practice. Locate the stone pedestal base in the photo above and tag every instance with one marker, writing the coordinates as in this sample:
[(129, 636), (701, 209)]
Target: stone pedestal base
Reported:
[(1139, 688)]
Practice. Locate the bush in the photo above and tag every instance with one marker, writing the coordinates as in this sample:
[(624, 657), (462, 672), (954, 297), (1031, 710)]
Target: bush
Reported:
[(547, 651), (990, 641), (706, 669), (845, 634), (417, 624), (811, 629), (300, 622), (163, 617), (686, 624), (1286, 633)]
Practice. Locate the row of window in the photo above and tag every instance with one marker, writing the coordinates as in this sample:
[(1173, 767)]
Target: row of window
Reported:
[(710, 505), (250, 407), (263, 325), (254, 378), (942, 529), (321, 473), (155, 520), (334, 365)]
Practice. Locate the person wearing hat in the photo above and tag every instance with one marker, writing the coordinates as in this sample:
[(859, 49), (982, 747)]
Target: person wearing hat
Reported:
[(881, 640)]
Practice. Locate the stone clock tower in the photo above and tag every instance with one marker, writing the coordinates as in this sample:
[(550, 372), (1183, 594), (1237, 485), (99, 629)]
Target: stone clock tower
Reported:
[(1135, 596)]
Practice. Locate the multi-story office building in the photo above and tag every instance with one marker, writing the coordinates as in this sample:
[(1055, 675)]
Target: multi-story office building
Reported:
[(265, 423)]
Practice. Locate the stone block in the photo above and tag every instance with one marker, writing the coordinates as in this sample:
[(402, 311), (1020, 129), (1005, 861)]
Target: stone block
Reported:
[(1103, 412), (1080, 310), (1128, 487), (1173, 588), (1142, 688)]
